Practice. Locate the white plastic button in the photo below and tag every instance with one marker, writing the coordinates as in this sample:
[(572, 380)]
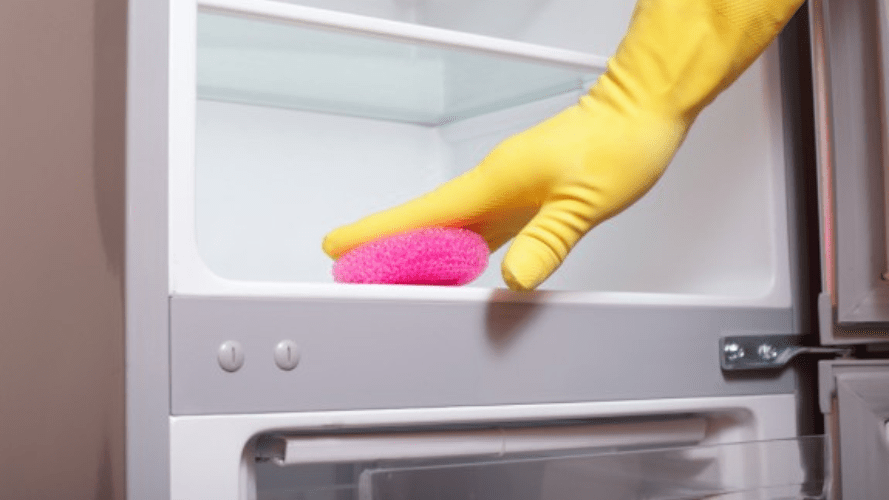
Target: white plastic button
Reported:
[(287, 355), (231, 356)]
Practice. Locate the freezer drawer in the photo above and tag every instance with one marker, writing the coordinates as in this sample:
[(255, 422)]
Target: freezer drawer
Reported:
[(684, 449), (631, 459), (330, 455), (770, 470)]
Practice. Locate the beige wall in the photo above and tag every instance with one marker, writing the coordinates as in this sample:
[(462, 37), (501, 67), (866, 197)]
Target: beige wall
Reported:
[(62, 85)]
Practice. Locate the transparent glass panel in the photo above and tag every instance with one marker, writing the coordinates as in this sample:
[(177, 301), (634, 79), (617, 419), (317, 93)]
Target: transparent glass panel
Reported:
[(284, 65), (767, 470)]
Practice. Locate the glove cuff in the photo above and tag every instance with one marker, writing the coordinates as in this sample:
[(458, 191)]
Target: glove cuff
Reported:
[(678, 55)]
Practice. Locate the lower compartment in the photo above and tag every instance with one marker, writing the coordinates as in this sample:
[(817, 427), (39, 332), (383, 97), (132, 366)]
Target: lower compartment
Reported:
[(635, 469), (726, 448), (764, 470)]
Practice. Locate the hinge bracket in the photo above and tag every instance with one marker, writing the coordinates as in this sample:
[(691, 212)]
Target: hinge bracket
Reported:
[(767, 352)]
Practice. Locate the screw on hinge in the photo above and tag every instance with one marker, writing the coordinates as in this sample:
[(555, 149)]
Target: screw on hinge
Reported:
[(767, 352), (733, 351)]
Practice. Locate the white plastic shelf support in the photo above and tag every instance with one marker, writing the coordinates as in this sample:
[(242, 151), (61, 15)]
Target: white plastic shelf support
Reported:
[(403, 32)]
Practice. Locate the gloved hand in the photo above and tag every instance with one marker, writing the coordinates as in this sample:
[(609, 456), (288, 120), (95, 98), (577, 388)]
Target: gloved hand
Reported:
[(549, 185)]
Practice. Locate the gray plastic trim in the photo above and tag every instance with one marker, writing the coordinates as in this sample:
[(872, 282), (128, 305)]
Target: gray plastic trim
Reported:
[(410, 354), (299, 449)]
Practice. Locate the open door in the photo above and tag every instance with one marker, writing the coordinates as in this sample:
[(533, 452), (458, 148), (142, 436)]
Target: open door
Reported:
[(850, 56)]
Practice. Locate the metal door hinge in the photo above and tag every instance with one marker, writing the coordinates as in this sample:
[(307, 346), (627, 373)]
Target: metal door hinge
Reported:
[(767, 352)]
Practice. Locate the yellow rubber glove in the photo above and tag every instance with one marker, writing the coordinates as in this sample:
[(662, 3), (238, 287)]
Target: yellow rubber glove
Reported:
[(549, 185)]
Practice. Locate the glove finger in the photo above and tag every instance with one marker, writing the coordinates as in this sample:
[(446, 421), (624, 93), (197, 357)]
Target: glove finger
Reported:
[(542, 245), (460, 202)]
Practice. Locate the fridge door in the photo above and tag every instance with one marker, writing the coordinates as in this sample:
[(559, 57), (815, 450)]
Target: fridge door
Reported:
[(849, 48), (855, 402)]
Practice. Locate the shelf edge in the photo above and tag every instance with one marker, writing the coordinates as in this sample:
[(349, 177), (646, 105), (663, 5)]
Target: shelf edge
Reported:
[(403, 32)]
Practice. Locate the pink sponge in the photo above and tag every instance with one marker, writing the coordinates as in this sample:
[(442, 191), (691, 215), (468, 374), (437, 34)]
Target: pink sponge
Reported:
[(429, 256)]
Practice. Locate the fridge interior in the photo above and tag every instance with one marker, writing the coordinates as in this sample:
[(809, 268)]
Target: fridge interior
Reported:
[(300, 126)]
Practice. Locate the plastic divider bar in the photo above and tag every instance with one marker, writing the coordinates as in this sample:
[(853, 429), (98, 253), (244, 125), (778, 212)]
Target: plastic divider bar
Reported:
[(286, 449), (403, 32)]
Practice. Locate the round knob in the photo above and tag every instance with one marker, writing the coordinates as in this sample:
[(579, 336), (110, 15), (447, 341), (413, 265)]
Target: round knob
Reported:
[(230, 356), (287, 355)]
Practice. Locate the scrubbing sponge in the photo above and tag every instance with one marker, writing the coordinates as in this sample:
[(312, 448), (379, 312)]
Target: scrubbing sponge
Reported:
[(428, 256)]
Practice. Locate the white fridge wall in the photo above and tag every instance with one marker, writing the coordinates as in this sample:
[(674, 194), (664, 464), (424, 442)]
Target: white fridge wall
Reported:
[(268, 182)]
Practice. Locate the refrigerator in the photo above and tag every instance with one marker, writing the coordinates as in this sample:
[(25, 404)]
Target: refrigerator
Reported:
[(725, 337)]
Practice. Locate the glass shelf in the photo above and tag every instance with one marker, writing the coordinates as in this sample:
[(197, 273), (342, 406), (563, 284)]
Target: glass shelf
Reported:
[(409, 74)]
